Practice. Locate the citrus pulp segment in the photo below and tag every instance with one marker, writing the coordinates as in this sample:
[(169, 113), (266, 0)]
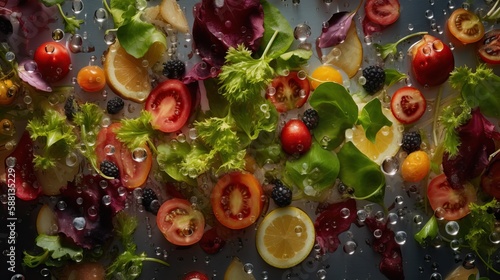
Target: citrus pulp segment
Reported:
[(285, 237), (387, 141)]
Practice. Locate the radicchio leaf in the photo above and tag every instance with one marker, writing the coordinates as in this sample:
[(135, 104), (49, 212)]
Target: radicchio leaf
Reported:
[(391, 264), (27, 72), (330, 223), (335, 30), (476, 144), (86, 200), (215, 29)]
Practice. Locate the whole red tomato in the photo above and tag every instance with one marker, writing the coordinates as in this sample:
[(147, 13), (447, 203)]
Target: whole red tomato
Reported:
[(53, 61), (432, 61), (295, 137)]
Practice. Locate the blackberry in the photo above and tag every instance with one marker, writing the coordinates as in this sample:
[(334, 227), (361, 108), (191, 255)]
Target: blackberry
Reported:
[(411, 142), (311, 118), (115, 105), (5, 26), (110, 169), (148, 196), (174, 69), (282, 195), (375, 78), (71, 107)]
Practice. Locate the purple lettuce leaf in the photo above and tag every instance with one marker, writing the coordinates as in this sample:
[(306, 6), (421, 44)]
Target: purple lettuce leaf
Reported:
[(86, 201), (476, 144), (391, 264), (215, 29), (27, 72), (335, 30), (330, 224)]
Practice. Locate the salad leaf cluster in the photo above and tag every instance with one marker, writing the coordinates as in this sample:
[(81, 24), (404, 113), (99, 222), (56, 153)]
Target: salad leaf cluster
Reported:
[(55, 253)]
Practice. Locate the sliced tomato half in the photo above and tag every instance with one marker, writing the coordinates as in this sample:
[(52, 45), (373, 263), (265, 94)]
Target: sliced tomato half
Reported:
[(454, 202), (288, 92), (465, 26), (170, 105), (133, 172), (408, 105), (237, 200), (383, 12), (179, 222), (489, 47)]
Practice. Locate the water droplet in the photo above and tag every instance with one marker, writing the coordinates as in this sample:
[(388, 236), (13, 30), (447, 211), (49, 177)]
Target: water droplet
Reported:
[(110, 37), (495, 237), (436, 276), (469, 261), (75, 43), (61, 205), (10, 161), (79, 223), (17, 277), (345, 212), (298, 230), (390, 166), (452, 227), (106, 200), (362, 214), (377, 233), (350, 247), (410, 27), (101, 15), (439, 213), (400, 237), (455, 244), (392, 218), (302, 32), (321, 274), (248, 268), (418, 219), (77, 6), (139, 154), (429, 14), (45, 272)]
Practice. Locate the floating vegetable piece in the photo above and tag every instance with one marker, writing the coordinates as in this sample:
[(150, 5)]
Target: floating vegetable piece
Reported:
[(274, 21), (432, 61), (391, 48), (428, 232), (335, 30), (27, 71), (373, 119), (348, 55), (172, 13)]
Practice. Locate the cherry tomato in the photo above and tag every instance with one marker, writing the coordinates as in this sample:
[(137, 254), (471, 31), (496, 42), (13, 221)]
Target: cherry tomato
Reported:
[(8, 92), (170, 105), (489, 47), (237, 200), (432, 61), (465, 26), (415, 166), (84, 271), (53, 61), (383, 12), (490, 179), (288, 92), (408, 105), (91, 78), (179, 222), (195, 275), (133, 172), (454, 202), (22, 173), (211, 243), (295, 137)]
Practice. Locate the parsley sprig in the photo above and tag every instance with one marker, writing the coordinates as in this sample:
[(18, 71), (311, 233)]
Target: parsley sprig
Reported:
[(71, 24), (125, 226)]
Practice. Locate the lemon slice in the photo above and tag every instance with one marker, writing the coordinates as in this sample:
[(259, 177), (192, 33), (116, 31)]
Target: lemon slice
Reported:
[(285, 237), (387, 141), (128, 76)]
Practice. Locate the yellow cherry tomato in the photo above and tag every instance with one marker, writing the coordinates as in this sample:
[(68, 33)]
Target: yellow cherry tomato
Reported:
[(415, 166), (325, 73), (8, 92), (91, 78)]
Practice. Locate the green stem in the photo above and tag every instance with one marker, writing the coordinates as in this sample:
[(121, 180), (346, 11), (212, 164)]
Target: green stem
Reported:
[(488, 265), (154, 260), (106, 6), (411, 35), (270, 43), (493, 13), (436, 115), (62, 12), (152, 146)]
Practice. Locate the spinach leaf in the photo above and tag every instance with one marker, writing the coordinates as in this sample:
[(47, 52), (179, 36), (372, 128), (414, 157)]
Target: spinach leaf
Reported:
[(314, 172), (373, 119), (361, 174), (169, 156), (274, 21), (393, 76), (337, 112), (292, 60)]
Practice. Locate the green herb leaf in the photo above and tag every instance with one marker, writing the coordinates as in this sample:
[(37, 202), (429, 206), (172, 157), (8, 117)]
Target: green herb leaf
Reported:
[(137, 132), (428, 232), (292, 60), (391, 48), (55, 253), (71, 24), (313, 172), (138, 46), (56, 134), (337, 112), (169, 157), (393, 76), (451, 118), (373, 119), (274, 21), (361, 174)]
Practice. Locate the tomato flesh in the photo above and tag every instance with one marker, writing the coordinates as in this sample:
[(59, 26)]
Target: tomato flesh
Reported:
[(170, 105), (432, 61), (237, 200), (465, 26), (489, 47), (195, 275), (179, 222), (383, 12), (133, 172), (288, 92), (454, 202), (408, 105), (53, 61)]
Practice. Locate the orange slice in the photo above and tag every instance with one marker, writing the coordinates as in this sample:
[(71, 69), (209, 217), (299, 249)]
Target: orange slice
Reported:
[(285, 237)]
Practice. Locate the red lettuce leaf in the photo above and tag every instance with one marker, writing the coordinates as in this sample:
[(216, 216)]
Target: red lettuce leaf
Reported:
[(27, 72), (215, 29), (335, 30), (476, 144), (85, 200), (330, 224), (391, 264)]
